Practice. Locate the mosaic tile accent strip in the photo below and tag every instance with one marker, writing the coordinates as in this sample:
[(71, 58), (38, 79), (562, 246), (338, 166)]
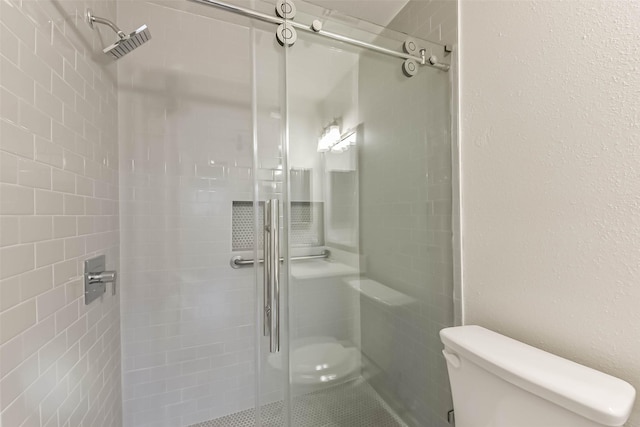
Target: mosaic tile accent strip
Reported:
[(355, 404), (307, 225), (242, 225)]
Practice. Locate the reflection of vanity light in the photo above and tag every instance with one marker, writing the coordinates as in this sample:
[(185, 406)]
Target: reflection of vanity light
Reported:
[(323, 144), (329, 138), (333, 135), (345, 142), (332, 140)]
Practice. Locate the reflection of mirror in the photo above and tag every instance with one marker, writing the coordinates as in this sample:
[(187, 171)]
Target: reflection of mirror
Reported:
[(342, 208), (307, 215), (341, 195)]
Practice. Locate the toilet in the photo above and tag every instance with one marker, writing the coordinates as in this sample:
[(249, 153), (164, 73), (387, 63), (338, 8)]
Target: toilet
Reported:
[(497, 381)]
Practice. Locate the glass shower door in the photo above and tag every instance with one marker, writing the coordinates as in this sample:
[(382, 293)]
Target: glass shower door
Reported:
[(369, 278), (346, 210), (224, 131), (325, 358)]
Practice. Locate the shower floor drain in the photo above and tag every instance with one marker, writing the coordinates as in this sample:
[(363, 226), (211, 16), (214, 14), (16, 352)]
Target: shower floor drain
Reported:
[(355, 404)]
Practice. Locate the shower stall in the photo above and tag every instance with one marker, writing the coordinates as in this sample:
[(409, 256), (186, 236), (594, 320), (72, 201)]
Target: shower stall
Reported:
[(285, 217)]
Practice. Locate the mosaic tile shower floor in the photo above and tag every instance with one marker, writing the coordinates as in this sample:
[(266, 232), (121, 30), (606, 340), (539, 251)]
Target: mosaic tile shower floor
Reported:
[(355, 404)]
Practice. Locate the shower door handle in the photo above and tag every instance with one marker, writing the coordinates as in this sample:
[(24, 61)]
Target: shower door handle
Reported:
[(271, 248), (266, 271)]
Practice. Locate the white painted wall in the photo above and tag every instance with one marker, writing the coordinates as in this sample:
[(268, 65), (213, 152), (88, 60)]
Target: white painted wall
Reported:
[(550, 135)]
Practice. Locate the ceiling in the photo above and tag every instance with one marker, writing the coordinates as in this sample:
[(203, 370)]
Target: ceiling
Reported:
[(379, 12)]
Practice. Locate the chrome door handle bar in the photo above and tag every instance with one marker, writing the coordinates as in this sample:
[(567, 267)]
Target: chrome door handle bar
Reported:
[(266, 282), (272, 272)]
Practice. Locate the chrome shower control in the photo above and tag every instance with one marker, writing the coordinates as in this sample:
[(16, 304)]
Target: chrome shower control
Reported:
[(105, 276), (96, 279)]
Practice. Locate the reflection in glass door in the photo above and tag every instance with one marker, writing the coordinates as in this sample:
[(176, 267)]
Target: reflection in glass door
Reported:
[(363, 323)]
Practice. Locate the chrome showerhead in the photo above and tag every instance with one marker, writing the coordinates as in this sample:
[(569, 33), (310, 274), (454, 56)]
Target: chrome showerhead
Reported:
[(127, 43), (130, 42)]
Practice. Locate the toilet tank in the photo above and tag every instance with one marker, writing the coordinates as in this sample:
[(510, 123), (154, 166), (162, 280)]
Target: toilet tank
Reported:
[(500, 382)]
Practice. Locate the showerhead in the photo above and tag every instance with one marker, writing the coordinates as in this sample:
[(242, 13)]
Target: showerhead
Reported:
[(127, 43)]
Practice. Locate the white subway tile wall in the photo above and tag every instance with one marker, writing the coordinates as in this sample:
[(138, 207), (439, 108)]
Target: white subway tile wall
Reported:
[(59, 359)]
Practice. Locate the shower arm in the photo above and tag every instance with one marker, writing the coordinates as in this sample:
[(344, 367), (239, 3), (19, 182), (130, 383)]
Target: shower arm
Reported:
[(91, 19)]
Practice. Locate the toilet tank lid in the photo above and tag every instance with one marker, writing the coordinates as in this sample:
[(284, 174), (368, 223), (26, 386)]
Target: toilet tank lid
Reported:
[(595, 395)]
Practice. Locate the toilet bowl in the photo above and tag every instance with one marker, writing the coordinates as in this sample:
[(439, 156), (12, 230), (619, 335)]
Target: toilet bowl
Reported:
[(319, 361), (500, 382)]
